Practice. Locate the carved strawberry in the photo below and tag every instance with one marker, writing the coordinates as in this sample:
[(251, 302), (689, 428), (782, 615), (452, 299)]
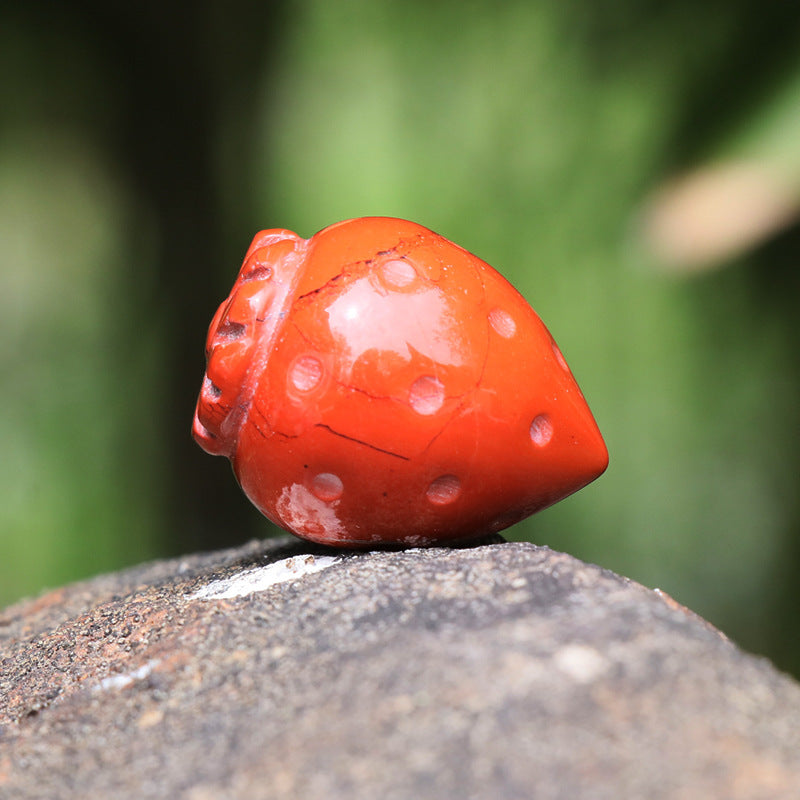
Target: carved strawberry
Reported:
[(379, 384)]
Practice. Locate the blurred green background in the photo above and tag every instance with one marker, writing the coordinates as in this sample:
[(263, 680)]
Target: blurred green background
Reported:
[(633, 167)]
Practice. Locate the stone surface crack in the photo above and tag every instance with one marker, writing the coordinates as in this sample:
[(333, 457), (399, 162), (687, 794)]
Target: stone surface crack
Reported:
[(332, 282), (361, 441)]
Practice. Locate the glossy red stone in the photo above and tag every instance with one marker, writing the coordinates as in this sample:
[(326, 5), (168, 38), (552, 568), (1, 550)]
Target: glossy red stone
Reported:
[(379, 384)]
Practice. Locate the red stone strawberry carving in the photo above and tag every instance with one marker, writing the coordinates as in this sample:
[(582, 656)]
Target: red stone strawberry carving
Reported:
[(379, 384)]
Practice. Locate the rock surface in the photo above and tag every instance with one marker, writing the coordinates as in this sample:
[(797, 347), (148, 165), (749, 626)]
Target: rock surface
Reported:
[(498, 671)]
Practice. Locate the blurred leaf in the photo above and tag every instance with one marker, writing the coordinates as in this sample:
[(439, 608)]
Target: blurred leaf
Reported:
[(748, 190)]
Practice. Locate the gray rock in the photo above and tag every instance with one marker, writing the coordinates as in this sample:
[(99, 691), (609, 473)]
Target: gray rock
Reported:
[(498, 671)]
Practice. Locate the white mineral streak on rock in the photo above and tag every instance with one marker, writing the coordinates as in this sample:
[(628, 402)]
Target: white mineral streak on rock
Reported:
[(125, 679), (581, 663), (261, 578)]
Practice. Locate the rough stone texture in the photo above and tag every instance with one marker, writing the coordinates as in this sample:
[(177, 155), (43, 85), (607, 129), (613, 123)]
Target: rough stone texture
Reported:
[(499, 671)]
